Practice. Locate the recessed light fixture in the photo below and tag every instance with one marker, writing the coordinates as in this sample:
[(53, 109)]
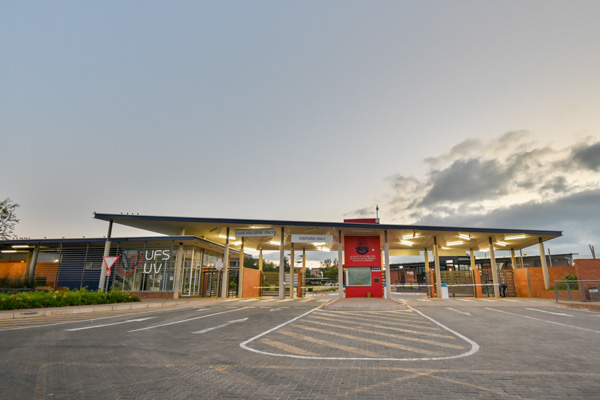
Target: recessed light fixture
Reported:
[(515, 237), (275, 242), (407, 243), (8, 251), (464, 237), (20, 246), (413, 236), (501, 243), (225, 237), (455, 243)]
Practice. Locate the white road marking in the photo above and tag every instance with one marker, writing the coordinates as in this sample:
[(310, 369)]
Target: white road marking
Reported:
[(185, 320), (543, 320), (222, 325), (92, 319), (460, 312), (549, 312), (114, 323), (474, 346)]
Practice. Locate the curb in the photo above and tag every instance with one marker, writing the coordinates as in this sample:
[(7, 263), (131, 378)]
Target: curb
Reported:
[(39, 312), (591, 306)]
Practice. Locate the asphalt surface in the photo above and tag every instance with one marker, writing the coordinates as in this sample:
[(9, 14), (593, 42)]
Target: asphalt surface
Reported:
[(296, 349)]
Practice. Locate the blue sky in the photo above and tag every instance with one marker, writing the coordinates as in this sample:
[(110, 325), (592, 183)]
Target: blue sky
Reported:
[(462, 113)]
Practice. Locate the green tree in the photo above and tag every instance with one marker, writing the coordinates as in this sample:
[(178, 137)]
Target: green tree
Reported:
[(330, 269), (253, 263), (8, 219)]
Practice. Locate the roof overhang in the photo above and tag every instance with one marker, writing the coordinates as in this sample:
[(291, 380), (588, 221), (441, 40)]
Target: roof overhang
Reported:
[(403, 239)]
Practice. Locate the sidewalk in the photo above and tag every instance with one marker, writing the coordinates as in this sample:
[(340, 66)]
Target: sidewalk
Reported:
[(590, 305), (145, 303)]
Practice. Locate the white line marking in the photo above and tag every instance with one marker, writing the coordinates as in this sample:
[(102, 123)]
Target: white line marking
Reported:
[(474, 346), (549, 312), (185, 320), (222, 325), (543, 320), (89, 319), (460, 312), (114, 323)]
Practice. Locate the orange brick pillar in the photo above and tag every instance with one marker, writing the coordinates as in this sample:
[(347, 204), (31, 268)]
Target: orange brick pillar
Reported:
[(477, 277)]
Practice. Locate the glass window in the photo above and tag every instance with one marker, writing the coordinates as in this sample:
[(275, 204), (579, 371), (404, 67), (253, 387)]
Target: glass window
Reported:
[(359, 276)]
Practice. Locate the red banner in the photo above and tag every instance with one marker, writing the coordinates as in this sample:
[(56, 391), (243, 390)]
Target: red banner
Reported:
[(362, 251)]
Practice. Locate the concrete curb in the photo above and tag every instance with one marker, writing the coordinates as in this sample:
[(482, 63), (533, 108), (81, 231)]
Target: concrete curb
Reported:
[(586, 305), (40, 312)]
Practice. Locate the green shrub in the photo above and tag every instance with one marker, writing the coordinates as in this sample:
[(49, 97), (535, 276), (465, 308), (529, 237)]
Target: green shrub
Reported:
[(52, 298), (572, 286)]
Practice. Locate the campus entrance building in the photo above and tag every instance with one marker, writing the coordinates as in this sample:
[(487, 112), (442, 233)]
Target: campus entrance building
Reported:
[(200, 256)]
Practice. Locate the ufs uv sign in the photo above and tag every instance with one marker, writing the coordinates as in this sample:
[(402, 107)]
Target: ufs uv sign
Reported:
[(151, 261)]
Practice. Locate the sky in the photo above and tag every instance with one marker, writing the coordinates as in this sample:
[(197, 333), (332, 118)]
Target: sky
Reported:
[(445, 113)]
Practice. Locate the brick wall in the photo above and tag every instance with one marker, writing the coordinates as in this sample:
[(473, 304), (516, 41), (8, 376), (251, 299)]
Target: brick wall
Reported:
[(251, 283), (536, 279)]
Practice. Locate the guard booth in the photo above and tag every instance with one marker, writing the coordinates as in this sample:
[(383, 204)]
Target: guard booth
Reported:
[(362, 261)]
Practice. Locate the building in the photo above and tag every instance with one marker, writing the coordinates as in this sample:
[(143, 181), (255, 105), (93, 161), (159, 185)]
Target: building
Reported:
[(195, 255)]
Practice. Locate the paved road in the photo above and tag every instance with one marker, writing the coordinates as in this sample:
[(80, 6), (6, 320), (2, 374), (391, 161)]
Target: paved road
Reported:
[(268, 349)]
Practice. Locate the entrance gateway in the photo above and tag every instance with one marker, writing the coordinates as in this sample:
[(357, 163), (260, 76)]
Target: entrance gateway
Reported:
[(362, 260)]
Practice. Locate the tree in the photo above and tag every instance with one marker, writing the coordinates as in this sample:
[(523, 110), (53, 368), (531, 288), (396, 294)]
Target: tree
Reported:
[(8, 219), (330, 269)]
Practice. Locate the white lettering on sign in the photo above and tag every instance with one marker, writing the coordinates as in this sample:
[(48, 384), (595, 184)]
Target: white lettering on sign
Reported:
[(297, 238), (254, 232), (155, 256)]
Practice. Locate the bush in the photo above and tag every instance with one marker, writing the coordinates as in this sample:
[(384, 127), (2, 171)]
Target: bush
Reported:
[(42, 299), (572, 286)]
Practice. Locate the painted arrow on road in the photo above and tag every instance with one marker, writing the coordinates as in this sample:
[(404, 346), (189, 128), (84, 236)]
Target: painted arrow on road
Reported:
[(221, 326), (114, 323)]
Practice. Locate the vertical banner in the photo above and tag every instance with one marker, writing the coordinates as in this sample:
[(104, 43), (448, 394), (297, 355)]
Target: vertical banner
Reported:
[(362, 251)]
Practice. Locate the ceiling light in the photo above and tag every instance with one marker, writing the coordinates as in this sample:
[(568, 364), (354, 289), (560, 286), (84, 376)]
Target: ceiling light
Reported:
[(275, 242), (515, 237), (463, 236), (20, 246), (237, 243), (9, 251), (225, 237), (407, 243), (317, 244), (413, 236), (456, 243), (501, 243)]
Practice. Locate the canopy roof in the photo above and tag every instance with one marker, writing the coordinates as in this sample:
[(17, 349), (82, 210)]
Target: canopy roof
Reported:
[(403, 239)]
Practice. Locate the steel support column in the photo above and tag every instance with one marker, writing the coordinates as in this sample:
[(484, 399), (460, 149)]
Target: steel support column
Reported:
[(438, 272), (494, 268), (341, 293), (241, 272), (225, 276), (106, 254), (282, 266), (388, 277), (544, 265)]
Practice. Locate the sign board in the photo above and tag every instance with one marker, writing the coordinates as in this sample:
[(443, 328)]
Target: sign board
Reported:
[(110, 261), (254, 232), (362, 251), (219, 265), (312, 238)]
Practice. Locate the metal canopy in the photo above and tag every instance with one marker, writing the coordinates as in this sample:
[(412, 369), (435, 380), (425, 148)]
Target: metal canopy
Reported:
[(403, 239)]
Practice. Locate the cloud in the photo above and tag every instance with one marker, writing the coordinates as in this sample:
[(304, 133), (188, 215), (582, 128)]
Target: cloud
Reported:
[(511, 181), (588, 156)]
